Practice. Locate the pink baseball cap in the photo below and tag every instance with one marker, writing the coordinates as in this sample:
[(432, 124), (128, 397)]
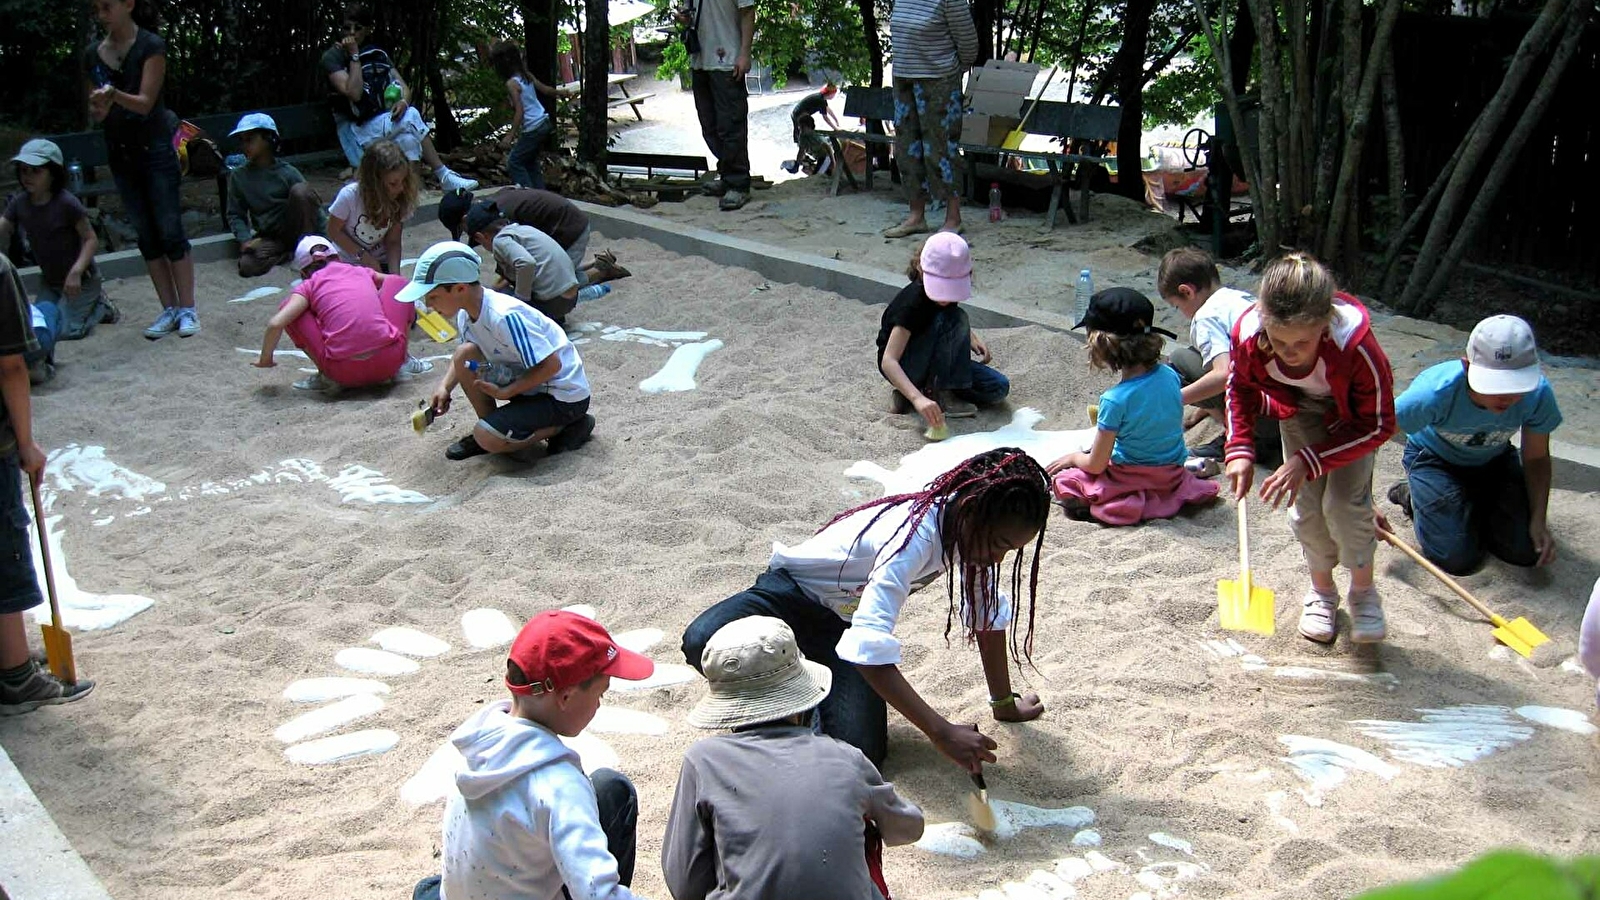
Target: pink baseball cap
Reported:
[(310, 249), (947, 268)]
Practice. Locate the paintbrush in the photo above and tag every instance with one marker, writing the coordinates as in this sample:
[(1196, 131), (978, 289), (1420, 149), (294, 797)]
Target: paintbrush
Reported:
[(978, 808)]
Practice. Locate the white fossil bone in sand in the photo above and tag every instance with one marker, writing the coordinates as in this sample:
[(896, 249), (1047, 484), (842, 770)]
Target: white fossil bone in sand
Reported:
[(343, 746), (368, 661), (332, 717), (318, 690), (410, 642), (485, 628)]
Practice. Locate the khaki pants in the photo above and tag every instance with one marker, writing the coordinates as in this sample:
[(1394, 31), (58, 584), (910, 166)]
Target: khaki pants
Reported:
[(1332, 516)]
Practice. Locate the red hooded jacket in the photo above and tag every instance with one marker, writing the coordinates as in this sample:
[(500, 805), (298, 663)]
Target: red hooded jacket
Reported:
[(1358, 375)]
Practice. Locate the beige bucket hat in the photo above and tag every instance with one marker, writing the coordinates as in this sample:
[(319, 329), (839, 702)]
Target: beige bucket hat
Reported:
[(756, 674)]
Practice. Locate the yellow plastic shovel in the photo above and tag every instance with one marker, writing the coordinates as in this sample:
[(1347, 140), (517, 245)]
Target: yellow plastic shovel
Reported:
[(435, 326), (57, 640), (1241, 605), (1518, 634), (1013, 140)]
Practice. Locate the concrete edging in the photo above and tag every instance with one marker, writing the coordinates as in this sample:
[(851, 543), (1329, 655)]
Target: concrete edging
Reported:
[(37, 862)]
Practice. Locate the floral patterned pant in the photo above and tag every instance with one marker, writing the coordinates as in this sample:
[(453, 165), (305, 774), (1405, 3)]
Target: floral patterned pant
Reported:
[(927, 128)]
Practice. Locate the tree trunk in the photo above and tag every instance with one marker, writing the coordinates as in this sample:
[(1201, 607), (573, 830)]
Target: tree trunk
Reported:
[(1358, 109), (1241, 45), (446, 130), (596, 55), (1396, 152), (1270, 129), (1223, 62), (1130, 96), (539, 46), (869, 31), (1506, 157)]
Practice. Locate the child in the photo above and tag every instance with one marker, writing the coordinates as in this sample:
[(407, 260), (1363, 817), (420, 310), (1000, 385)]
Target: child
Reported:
[(530, 263), (63, 243), (811, 153), (1467, 489), (368, 217), (842, 590), (734, 829), (519, 356), (529, 121), (1306, 356), (344, 318), (549, 212), (1189, 281), (270, 206), (24, 687), (527, 824), (1135, 470), (926, 347)]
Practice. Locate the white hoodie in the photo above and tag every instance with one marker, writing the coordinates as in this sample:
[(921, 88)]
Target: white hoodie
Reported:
[(525, 823)]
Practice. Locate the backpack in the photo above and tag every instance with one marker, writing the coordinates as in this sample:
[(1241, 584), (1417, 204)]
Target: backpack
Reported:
[(376, 73)]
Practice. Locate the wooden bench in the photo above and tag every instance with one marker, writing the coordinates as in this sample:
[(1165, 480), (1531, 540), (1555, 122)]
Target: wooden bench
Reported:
[(1068, 121), (632, 101), (654, 162), (874, 105)]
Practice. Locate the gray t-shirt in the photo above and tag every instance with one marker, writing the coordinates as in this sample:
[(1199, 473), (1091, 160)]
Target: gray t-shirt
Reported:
[(537, 267), (719, 34)]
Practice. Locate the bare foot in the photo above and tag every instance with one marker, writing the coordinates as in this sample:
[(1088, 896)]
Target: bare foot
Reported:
[(1026, 708)]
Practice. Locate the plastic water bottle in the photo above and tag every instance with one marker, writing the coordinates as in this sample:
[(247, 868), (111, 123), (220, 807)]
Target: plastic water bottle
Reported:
[(996, 210), (74, 176), (483, 368), (1080, 297)]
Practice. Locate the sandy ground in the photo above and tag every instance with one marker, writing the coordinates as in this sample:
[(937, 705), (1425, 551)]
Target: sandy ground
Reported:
[(171, 783)]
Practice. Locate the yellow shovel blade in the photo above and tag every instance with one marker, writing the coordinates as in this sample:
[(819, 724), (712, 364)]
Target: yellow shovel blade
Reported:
[(1013, 140), (1239, 612), (58, 652), (1520, 635), (436, 327)]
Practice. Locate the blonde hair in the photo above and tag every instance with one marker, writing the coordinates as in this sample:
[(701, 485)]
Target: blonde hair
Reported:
[(1117, 352), (378, 159), (1296, 290)]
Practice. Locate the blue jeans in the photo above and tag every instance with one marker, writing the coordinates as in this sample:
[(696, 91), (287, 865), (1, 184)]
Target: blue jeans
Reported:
[(1464, 513), (523, 163), (852, 712), (939, 358), (48, 335), (79, 314), (147, 178), (346, 131), (19, 587)]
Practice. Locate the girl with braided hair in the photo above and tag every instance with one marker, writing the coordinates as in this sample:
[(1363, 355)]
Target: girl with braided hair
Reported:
[(841, 592)]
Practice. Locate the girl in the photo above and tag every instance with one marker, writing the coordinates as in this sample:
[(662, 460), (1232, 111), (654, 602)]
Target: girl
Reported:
[(126, 70), (368, 217), (529, 121), (63, 242), (1135, 469), (1305, 354), (841, 592), (926, 347)]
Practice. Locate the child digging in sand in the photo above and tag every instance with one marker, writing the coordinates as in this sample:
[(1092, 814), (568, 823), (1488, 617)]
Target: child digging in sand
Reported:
[(526, 823), (1306, 355), (842, 591), (519, 371), (1135, 470), (367, 218), (529, 263), (734, 829)]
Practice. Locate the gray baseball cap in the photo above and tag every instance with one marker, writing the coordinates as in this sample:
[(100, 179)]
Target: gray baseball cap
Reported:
[(447, 262), (1503, 357), (39, 151)]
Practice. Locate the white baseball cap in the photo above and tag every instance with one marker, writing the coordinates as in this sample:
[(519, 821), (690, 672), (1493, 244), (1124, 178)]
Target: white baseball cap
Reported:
[(254, 122), (37, 152), (447, 262), (1502, 357), (311, 248)]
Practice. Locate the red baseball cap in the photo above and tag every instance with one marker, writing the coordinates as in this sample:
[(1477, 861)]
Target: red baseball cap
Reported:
[(559, 649)]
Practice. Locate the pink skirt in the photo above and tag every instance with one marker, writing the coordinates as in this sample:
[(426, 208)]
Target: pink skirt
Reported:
[(1126, 495)]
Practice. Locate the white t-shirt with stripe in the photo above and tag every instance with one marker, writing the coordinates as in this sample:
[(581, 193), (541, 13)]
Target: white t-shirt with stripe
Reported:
[(513, 334)]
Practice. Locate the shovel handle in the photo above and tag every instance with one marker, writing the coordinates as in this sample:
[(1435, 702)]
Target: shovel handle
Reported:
[(44, 551), (1439, 573), (1244, 549)]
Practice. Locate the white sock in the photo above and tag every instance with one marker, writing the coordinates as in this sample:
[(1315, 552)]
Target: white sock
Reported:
[(441, 171)]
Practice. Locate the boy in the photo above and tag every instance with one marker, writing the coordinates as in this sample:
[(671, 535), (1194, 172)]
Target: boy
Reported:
[(773, 810), (24, 687), (517, 354), (549, 212), (1467, 490), (62, 242), (1190, 283), (530, 262), (527, 824), (270, 206), (811, 154)]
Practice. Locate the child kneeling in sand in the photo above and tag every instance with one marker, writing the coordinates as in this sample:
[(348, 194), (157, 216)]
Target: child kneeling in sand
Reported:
[(735, 830), (519, 371), (926, 349), (530, 263), (1135, 470), (344, 319), (526, 823)]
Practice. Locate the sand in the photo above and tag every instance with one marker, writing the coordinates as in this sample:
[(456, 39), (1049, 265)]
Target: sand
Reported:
[(274, 530)]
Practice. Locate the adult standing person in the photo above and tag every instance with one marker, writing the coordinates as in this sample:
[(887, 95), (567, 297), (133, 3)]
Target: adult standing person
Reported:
[(934, 42), (372, 102), (718, 35), (126, 71)]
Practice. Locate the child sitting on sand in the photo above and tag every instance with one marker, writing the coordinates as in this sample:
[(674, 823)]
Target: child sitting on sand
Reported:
[(926, 350), (519, 371), (270, 206), (367, 218), (1135, 470), (1306, 355), (842, 591), (529, 262), (737, 831), (526, 823)]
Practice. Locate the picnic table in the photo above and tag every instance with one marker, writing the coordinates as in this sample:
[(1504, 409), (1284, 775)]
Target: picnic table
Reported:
[(619, 80)]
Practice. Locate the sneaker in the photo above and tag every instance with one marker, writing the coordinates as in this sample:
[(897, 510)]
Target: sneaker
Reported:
[(898, 403), (449, 181), (109, 313), (716, 187), (466, 448), (313, 382), (1317, 622), (956, 408), (1367, 625), (188, 322), (789, 166), (732, 200), (1400, 495), (1212, 449), (1202, 467), (39, 688), (165, 324), (41, 372), (571, 437), (414, 366), (593, 292)]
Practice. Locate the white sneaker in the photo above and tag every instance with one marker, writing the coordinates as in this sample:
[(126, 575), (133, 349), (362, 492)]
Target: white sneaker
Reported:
[(1367, 625), (416, 366), (1317, 619), (450, 181), (188, 322), (165, 324), (313, 382)]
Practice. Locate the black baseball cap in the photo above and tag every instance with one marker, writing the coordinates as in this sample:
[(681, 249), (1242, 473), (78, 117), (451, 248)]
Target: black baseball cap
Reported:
[(452, 207), (1123, 312), (482, 214)]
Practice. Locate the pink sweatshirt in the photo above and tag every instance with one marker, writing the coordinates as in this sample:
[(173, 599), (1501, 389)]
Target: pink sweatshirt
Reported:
[(348, 310)]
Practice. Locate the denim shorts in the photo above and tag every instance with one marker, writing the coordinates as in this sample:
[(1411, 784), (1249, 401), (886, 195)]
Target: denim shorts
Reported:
[(19, 587), (521, 416), (147, 179)]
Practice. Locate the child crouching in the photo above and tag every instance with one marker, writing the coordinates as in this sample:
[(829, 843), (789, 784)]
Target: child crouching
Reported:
[(1135, 469)]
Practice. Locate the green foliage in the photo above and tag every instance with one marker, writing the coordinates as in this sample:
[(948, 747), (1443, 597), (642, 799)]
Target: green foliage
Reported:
[(822, 34), (1184, 90), (1505, 875), (674, 61)]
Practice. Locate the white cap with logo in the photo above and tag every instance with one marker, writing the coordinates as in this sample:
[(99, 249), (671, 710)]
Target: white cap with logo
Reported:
[(1502, 357)]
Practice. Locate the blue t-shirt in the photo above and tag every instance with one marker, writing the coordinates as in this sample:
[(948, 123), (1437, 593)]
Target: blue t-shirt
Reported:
[(1146, 413), (1437, 413)]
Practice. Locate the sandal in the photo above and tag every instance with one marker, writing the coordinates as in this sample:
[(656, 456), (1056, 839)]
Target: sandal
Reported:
[(900, 231), (607, 262)]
